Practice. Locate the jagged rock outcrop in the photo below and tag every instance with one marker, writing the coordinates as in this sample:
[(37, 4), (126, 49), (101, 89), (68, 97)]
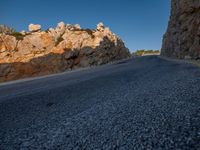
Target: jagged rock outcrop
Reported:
[(34, 27), (182, 39), (55, 50)]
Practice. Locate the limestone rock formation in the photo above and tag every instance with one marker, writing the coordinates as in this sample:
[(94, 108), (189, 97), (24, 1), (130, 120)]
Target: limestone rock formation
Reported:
[(35, 53), (182, 39), (34, 27), (100, 26)]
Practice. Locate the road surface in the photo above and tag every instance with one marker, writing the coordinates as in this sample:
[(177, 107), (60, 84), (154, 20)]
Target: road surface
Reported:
[(141, 103)]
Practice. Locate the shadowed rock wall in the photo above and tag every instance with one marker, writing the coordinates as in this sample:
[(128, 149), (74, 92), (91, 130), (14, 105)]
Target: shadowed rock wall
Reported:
[(182, 39)]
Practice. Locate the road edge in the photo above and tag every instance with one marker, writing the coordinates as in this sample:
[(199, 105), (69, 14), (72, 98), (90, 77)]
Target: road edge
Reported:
[(193, 62)]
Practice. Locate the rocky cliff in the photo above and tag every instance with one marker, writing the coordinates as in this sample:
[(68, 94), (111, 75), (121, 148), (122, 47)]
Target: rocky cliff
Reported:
[(182, 39), (66, 47)]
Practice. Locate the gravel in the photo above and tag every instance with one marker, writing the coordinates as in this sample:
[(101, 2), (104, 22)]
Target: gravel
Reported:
[(140, 103)]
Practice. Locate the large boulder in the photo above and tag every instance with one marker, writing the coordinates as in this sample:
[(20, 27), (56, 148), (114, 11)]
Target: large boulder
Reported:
[(60, 28), (182, 39), (55, 50), (34, 27)]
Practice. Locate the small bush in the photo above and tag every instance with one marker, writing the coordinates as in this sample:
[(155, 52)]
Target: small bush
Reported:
[(18, 35), (143, 52)]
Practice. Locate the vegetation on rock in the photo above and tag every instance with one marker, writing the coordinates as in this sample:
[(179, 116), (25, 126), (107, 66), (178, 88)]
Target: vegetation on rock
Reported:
[(17, 35), (5, 29), (145, 52)]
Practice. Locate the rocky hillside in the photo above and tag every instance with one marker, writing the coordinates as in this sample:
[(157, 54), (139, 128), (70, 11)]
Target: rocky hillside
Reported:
[(66, 47), (182, 39)]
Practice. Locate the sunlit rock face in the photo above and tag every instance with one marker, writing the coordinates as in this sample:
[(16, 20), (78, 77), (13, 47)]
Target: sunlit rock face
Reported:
[(182, 39), (34, 27), (65, 47)]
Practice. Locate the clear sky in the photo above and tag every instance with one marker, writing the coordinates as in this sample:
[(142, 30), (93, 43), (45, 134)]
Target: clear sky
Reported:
[(140, 23)]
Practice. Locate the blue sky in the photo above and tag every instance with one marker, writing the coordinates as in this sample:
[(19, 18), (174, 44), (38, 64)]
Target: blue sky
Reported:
[(140, 23)]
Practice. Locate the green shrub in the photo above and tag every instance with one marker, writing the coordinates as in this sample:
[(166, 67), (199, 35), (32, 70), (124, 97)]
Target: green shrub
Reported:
[(18, 35), (142, 52)]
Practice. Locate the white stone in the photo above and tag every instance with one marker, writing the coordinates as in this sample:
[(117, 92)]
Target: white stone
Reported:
[(100, 26), (61, 25), (23, 32), (34, 27), (77, 26)]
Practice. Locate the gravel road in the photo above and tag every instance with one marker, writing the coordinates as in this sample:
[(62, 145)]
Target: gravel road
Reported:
[(141, 103)]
